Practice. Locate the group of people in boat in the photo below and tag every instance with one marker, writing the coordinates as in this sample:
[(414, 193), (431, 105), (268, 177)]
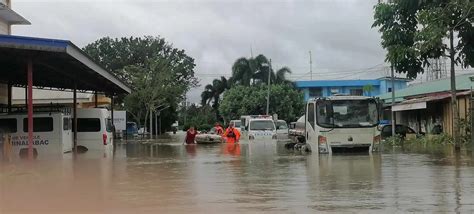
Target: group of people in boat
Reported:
[(229, 135)]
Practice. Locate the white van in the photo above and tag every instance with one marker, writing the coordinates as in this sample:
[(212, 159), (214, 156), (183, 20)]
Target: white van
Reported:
[(261, 129), (52, 134), (94, 129)]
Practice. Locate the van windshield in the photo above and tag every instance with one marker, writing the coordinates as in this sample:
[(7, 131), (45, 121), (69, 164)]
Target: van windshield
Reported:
[(262, 125), (237, 124)]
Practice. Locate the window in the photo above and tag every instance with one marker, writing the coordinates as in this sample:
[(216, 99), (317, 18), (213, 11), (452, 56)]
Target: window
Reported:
[(262, 125), (389, 90), (40, 124), (109, 126), (315, 92), (87, 125), (334, 90), (8, 125), (311, 117), (356, 92), (66, 123)]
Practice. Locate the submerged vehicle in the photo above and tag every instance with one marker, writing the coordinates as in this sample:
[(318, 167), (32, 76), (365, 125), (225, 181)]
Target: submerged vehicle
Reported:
[(258, 128), (282, 129), (237, 124), (52, 134), (341, 123)]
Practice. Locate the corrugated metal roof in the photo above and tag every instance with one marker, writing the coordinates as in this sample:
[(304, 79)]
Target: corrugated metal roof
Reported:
[(462, 83)]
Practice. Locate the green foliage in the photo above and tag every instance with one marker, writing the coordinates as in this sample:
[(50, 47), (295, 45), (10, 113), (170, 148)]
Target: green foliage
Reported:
[(414, 31), (159, 74), (285, 101), (116, 54), (256, 70), (212, 93), (201, 118), (429, 140)]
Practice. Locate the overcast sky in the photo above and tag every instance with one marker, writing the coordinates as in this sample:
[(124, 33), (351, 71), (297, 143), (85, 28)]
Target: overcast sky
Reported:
[(216, 33)]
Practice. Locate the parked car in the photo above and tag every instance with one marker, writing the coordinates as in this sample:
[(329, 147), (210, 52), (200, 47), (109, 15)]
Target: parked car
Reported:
[(132, 129), (402, 130)]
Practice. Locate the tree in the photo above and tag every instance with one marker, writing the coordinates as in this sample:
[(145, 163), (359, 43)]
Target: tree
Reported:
[(253, 71), (212, 93), (285, 101), (140, 62), (414, 31), (154, 86), (200, 117), (368, 89), (116, 54)]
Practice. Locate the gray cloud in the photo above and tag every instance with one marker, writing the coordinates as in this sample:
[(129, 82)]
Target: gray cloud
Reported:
[(215, 33)]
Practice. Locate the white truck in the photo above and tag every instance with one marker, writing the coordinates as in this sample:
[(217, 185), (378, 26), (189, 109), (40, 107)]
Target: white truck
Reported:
[(341, 123)]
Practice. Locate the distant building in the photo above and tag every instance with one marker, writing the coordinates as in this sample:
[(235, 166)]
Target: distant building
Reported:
[(8, 17), (325, 88), (426, 105)]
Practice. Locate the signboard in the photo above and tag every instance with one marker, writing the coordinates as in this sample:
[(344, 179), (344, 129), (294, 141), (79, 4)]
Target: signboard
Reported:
[(120, 120)]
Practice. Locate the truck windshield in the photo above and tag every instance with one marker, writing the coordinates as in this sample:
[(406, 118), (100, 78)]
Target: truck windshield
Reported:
[(347, 113), (262, 125)]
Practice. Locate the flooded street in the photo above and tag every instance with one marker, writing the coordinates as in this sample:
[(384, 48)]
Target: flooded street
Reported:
[(228, 178)]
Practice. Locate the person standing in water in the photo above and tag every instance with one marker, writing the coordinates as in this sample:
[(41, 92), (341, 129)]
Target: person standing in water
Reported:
[(219, 129), (191, 136), (232, 134)]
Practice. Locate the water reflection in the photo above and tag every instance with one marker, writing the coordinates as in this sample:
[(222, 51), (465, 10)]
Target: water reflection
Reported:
[(246, 177)]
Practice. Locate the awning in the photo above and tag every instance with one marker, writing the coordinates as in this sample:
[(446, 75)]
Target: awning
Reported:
[(57, 64), (420, 102), (11, 17), (409, 106)]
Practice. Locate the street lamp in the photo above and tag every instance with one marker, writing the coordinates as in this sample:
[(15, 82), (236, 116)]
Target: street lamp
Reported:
[(269, 65)]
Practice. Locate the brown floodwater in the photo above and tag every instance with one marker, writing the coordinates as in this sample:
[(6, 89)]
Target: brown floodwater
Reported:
[(243, 178)]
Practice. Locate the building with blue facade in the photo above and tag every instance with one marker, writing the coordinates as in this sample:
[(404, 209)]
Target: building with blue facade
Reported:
[(325, 88)]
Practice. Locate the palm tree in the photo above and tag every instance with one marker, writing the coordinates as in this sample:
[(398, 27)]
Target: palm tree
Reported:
[(253, 71), (281, 76), (250, 71), (212, 93)]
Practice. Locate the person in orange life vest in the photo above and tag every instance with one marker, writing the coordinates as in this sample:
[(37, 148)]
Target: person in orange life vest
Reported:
[(232, 134), (219, 129)]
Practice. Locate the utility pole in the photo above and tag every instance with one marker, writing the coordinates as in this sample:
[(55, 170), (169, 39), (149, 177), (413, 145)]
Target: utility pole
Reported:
[(393, 100), (310, 65), (268, 92)]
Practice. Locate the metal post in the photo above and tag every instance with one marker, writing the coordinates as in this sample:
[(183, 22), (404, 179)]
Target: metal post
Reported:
[(159, 123), (156, 122), (393, 100), (30, 108), (151, 124), (74, 109), (268, 92), (310, 65), (112, 116), (9, 107), (95, 99)]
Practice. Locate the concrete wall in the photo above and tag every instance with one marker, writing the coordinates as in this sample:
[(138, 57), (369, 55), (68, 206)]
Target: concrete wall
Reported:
[(4, 27), (386, 84)]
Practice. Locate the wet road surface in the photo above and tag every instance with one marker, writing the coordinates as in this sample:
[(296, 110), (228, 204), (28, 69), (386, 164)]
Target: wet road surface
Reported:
[(243, 178)]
